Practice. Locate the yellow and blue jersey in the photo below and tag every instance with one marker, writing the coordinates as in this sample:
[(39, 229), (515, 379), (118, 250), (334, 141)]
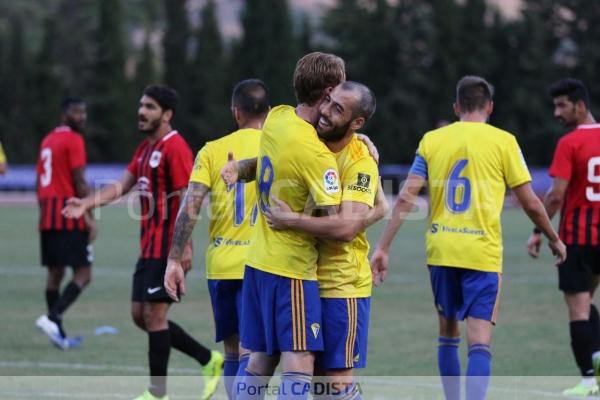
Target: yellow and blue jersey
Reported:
[(343, 268), (233, 209), (296, 167), (468, 166)]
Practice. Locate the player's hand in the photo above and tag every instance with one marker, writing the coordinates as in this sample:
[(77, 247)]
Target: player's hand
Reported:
[(533, 245), (279, 214), (230, 171), (174, 280), (559, 250), (379, 266), (370, 145), (186, 257), (74, 208)]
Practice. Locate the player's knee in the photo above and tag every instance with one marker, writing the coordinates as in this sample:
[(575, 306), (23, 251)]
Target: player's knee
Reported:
[(83, 277), (449, 328), (138, 317), (231, 344), (152, 319), (298, 362)]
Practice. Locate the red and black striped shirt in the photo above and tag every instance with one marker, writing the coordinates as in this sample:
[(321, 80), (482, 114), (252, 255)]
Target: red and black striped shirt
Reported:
[(61, 152), (161, 169), (577, 160)]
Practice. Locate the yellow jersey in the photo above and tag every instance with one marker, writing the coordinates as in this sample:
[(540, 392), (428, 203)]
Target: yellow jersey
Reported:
[(296, 167), (343, 268), (2, 155), (233, 209), (468, 166)]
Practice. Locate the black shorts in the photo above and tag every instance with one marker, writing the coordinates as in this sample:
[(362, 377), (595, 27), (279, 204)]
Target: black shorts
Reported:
[(575, 275), (148, 281), (65, 248)]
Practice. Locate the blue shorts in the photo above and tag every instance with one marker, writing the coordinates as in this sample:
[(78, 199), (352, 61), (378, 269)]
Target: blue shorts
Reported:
[(226, 299), (460, 293), (280, 314), (345, 333)]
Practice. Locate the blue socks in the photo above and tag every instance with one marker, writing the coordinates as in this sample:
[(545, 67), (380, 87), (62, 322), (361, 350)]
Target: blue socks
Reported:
[(239, 376), (294, 385), (478, 371), (230, 369), (449, 366)]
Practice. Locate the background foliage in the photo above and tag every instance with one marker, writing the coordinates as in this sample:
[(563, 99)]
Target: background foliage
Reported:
[(410, 53)]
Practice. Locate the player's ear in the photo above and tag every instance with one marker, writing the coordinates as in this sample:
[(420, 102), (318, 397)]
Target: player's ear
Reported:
[(357, 123), (489, 108), (167, 115), (456, 110)]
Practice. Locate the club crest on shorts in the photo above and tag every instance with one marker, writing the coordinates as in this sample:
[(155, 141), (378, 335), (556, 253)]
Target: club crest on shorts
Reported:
[(155, 159), (331, 181), (315, 329)]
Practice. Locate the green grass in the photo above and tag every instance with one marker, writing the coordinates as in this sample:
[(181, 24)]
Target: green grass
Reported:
[(531, 337)]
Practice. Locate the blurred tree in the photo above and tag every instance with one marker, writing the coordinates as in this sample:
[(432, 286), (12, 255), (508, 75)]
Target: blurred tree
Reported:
[(47, 85), (19, 143), (305, 36), (176, 63), (209, 110), (111, 119), (268, 48), (145, 69)]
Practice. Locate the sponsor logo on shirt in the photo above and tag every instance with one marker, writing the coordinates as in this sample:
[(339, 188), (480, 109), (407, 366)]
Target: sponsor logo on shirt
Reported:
[(331, 181), (362, 183), (221, 241)]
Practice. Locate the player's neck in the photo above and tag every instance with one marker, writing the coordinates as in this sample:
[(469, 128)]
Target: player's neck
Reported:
[(589, 120), (308, 113), (339, 145), (159, 133), (474, 117), (252, 124)]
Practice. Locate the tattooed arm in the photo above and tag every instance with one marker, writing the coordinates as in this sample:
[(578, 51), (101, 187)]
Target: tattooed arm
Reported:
[(184, 225)]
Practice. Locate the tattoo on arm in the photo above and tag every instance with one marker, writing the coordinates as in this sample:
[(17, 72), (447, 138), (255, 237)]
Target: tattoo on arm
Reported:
[(186, 218), (247, 169)]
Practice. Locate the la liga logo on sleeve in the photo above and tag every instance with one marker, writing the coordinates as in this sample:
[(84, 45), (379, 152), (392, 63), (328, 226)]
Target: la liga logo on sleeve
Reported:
[(331, 181)]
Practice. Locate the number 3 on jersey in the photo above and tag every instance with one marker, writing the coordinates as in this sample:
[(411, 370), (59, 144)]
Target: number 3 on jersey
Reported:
[(46, 176), (458, 189), (265, 181)]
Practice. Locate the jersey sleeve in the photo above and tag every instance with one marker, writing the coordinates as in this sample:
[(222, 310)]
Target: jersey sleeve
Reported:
[(360, 182), (516, 172), (180, 165), (562, 163), (77, 156), (132, 167), (202, 167), (323, 179), (2, 155)]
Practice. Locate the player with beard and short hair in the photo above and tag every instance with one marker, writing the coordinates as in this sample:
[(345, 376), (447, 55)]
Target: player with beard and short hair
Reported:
[(575, 191), (64, 242), (160, 167), (343, 269)]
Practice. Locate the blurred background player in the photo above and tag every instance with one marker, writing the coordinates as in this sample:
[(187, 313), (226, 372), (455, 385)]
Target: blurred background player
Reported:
[(281, 306), (467, 166), (233, 212), (343, 267), (3, 162), (161, 167), (575, 190), (64, 242)]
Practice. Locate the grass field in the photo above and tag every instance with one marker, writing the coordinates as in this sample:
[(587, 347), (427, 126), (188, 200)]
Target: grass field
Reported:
[(531, 337)]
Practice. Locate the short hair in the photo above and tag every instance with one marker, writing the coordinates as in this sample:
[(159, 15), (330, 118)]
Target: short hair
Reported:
[(573, 88), (314, 73), (366, 105), (251, 97), (166, 97), (473, 93), (68, 101)]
